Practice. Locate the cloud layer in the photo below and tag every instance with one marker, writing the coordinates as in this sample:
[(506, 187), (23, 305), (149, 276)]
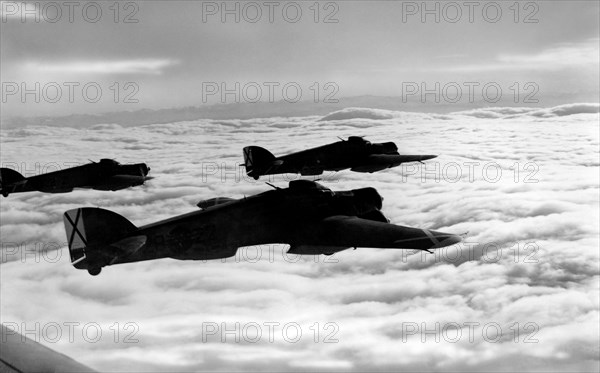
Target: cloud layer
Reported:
[(520, 294), (138, 66)]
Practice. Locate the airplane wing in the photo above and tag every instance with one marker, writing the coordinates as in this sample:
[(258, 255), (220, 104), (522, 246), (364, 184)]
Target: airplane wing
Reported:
[(19, 353), (350, 231), (405, 158), (378, 162)]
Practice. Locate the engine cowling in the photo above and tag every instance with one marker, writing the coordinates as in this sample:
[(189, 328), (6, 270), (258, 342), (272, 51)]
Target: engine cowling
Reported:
[(384, 148), (367, 200), (357, 202)]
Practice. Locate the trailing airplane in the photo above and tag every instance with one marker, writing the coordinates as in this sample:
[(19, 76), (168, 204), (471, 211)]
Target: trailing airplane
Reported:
[(309, 217), (104, 175), (356, 153)]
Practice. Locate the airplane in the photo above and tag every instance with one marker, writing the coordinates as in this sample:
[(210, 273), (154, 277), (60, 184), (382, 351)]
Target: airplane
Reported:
[(104, 175), (309, 217), (356, 153), (18, 353)]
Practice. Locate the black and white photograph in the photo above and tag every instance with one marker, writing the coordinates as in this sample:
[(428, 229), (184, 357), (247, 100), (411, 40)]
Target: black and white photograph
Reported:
[(300, 186)]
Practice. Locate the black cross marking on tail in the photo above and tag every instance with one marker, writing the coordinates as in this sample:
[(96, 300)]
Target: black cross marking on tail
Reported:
[(248, 157), (75, 230)]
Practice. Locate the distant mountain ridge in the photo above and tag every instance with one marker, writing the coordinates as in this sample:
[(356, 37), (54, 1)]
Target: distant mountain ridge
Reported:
[(245, 111)]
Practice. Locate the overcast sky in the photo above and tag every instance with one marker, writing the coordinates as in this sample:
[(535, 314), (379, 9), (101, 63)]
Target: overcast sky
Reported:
[(369, 48)]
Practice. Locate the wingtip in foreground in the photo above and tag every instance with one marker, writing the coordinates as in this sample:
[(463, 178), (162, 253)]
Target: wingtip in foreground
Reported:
[(427, 157), (19, 353), (449, 240), (440, 239)]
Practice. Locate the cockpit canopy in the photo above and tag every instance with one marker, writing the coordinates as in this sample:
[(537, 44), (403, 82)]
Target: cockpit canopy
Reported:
[(358, 140), (108, 162)]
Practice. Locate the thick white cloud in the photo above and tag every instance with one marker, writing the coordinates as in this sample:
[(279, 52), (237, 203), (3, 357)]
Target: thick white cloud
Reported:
[(522, 181), (515, 112)]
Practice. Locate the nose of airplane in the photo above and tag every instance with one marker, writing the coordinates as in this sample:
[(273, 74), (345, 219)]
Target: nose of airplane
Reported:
[(144, 169), (426, 157)]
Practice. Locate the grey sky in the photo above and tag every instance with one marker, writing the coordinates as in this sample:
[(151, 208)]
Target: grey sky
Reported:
[(372, 49)]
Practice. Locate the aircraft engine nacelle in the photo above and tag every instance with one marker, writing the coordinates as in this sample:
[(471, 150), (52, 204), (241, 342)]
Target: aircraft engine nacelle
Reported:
[(358, 202), (138, 169), (367, 200), (384, 148)]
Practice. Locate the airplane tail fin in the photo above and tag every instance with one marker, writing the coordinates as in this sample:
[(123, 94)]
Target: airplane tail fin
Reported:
[(90, 232), (257, 160), (8, 176)]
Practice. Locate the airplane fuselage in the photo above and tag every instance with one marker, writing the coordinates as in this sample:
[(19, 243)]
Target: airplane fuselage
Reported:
[(98, 176), (311, 221), (219, 231), (355, 154)]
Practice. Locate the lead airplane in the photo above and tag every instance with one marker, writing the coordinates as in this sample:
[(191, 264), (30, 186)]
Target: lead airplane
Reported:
[(310, 218), (356, 153), (104, 175)]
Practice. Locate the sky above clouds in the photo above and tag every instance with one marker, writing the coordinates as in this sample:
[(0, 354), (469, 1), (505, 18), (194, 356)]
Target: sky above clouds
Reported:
[(365, 48), (522, 182)]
